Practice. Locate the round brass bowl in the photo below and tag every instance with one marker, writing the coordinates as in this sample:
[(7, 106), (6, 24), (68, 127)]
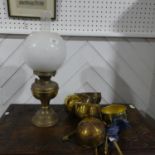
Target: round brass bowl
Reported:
[(112, 111)]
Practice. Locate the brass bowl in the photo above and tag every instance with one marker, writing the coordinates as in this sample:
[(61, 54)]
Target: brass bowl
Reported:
[(90, 132), (87, 110), (112, 111)]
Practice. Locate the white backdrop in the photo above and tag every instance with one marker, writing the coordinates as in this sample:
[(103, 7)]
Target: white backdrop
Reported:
[(90, 18)]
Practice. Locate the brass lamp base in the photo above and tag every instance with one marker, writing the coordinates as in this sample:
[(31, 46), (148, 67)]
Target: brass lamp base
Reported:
[(44, 89), (45, 117)]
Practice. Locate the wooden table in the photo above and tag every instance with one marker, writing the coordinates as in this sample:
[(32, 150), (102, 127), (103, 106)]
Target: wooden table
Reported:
[(19, 137)]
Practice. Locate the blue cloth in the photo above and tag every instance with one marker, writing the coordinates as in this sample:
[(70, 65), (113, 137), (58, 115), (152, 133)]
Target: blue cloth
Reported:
[(116, 127)]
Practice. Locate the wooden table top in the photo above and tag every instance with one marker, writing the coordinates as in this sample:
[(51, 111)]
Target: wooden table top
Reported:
[(19, 137)]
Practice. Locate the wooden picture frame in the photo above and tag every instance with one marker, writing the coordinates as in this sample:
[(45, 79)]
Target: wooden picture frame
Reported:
[(31, 8)]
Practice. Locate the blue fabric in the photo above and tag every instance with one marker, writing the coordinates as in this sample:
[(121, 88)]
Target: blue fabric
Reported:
[(117, 126)]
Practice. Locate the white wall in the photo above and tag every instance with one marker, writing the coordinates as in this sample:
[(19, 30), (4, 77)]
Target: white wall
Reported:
[(122, 69)]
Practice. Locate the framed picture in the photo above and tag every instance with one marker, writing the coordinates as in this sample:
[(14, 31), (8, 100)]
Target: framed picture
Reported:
[(31, 8)]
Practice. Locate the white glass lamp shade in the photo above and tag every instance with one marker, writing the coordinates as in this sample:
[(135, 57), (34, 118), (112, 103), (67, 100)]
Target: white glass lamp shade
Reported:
[(44, 51)]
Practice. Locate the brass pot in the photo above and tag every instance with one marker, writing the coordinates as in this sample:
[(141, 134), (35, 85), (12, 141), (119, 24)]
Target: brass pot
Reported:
[(90, 132), (113, 111)]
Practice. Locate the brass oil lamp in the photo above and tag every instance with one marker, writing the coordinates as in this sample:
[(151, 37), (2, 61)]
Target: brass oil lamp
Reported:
[(44, 52)]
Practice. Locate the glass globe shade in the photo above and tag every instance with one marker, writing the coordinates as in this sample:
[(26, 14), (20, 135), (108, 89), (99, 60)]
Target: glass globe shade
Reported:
[(44, 51)]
